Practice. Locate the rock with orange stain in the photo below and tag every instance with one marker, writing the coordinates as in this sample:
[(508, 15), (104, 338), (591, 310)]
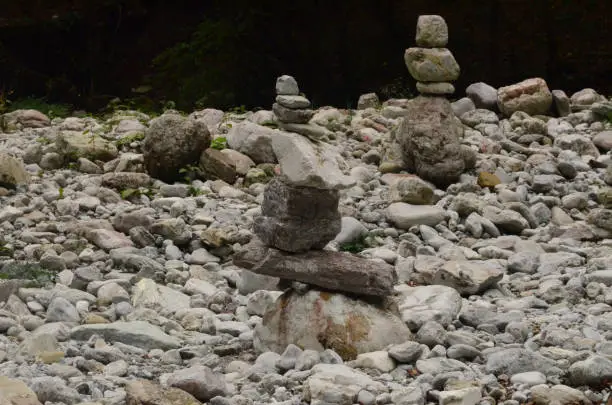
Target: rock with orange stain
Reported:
[(320, 320)]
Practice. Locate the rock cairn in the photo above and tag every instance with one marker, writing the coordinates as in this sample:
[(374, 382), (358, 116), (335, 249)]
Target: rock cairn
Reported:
[(429, 136), (290, 107), (431, 64), (299, 217), (293, 110)]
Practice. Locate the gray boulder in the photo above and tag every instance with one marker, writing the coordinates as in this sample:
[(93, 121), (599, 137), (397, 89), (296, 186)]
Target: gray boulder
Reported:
[(430, 139), (173, 142)]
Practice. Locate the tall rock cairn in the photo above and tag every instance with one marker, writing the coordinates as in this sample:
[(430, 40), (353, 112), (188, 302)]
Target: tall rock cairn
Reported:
[(431, 64), (430, 135)]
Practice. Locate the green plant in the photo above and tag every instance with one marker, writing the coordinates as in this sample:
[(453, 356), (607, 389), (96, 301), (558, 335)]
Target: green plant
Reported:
[(33, 272), (219, 143), (43, 140), (61, 193), (52, 110), (129, 193), (355, 246), (126, 140), (190, 173), (6, 251), (194, 191)]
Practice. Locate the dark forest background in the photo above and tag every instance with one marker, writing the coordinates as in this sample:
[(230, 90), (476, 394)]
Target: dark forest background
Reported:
[(212, 53)]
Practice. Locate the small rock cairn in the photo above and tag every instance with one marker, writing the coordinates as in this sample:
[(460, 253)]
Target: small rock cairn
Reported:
[(431, 64), (290, 107), (429, 135)]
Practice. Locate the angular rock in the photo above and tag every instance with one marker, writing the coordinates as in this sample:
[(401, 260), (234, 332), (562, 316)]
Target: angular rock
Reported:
[(510, 221), (285, 114), (287, 86), (75, 144), (305, 164), (431, 31), (253, 140), (483, 95), (531, 96), (336, 271), (580, 144), (435, 89), (369, 100), (438, 303), (596, 371), (603, 140), (430, 136), (138, 333), (12, 171), (171, 143), (462, 106), (431, 65), (16, 392), (517, 360), (199, 381), (320, 320), (297, 219), (216, 165), (337, 384), (107, 239), (145, 392), (405, 216), (468, 277), (561, 103), (20, 119), (293, 102), (557, 395), (313, 132), (125, 180), (148, 294), (411, 190)]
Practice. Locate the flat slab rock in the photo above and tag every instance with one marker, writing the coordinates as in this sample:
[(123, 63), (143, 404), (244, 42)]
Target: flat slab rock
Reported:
[(336, 271), (138, 333)]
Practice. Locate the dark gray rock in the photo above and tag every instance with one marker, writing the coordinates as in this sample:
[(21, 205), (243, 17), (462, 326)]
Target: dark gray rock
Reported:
[(294, 116), (297, 219), (337, 271), (173, 142)]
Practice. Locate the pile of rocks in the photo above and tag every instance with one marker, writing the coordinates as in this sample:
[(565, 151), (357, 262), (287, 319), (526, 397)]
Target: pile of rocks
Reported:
[(299, 218), (429, 137), (293, 110), (431, 64)]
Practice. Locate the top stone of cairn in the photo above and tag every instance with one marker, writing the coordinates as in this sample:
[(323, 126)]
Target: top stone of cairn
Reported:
[(431, 32), (287, 86)]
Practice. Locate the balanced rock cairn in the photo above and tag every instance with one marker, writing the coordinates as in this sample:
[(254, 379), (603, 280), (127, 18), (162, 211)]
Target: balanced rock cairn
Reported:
[(431, 64), (290, 107), (429, 136), (293, 110), (299, 217)]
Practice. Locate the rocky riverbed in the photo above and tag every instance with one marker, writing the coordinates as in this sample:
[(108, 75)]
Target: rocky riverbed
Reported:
[(120, 288)]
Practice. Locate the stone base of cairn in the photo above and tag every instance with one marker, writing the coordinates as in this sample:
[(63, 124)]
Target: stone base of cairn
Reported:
[(429, 136)]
